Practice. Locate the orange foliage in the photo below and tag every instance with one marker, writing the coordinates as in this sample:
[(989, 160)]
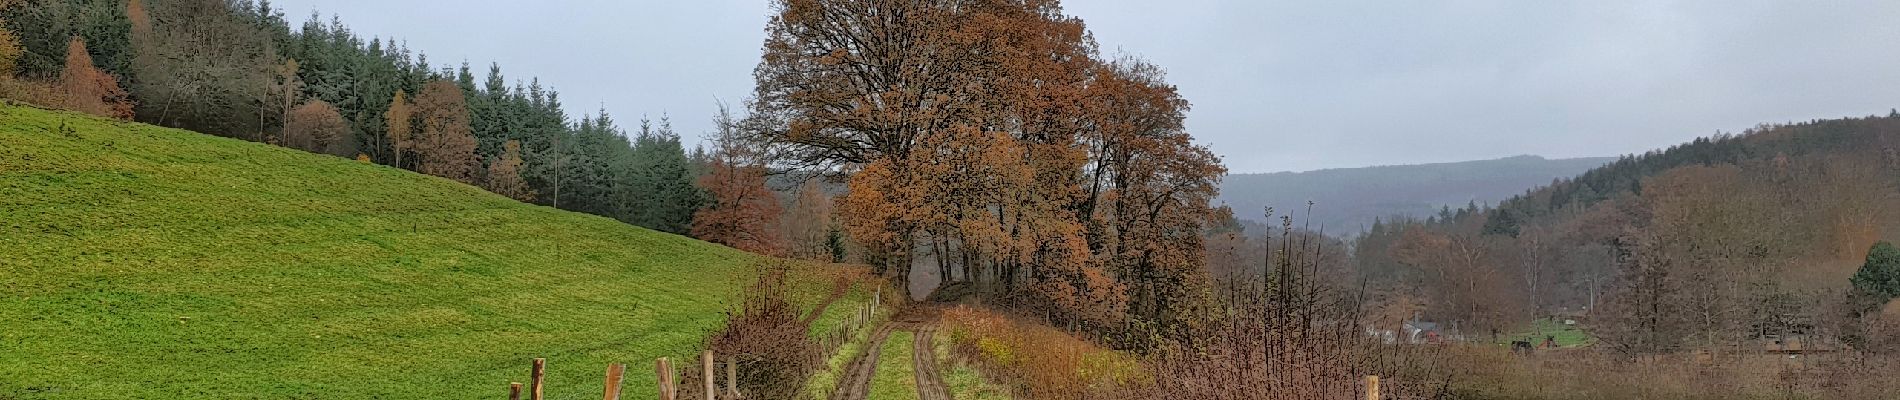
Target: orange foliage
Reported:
[(504, 174), (979, 157), (398, 121), (744, 213), (1151, 187), (10, 50), (89, 89), (314, 127), (445, 145), (140, 18)]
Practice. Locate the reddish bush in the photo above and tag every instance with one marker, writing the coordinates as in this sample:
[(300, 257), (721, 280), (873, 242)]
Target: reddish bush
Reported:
[(90, 90), (315, 127)]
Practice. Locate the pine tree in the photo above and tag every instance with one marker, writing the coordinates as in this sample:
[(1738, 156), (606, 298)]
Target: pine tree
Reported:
[(664, 182), (1879, 277)]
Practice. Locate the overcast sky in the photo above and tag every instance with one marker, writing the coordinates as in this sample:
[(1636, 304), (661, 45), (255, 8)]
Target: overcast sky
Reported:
[(1275, 85)]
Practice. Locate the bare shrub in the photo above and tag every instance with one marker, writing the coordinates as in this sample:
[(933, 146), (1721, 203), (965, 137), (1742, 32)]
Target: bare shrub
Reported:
[(1290, 331), (768, 338)]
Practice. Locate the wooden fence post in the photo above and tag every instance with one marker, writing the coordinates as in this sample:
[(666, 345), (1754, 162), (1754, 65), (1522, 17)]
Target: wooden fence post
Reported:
[(614, 373), (514, 390), (708, 372), (534, 378), (1372, 387), (664, 369), (732, 376)]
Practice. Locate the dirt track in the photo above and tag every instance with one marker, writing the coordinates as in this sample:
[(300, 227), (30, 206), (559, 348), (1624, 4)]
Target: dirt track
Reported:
[(856, 383), (929, 380)]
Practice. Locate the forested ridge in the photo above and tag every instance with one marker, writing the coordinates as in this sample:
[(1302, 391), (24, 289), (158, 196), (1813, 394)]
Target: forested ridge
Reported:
[(1713, 243), (1348, 200)]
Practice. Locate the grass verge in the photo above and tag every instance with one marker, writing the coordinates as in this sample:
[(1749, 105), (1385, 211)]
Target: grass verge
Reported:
[(896, 376)]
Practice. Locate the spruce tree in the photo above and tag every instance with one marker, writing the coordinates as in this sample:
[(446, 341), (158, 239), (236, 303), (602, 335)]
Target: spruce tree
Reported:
[(664, 180), (1879, 278)]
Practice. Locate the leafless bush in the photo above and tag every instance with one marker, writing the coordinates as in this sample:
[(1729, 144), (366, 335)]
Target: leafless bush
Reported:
[(1292, 331), (767, 338)]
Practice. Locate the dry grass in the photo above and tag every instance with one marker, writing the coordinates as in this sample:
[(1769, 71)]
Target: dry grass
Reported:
[(1037, 361), (1492, 373)]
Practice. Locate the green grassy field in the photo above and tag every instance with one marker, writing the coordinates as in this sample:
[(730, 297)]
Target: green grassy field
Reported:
[(143, 262), (896, 377)]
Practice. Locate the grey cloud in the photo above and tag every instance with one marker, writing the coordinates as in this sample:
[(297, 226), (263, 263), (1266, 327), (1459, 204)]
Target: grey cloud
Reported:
[(1278, 85)]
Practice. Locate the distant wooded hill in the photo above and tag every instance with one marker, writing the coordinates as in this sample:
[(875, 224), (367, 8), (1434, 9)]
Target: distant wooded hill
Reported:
[(1720, 241), (1348, 200)]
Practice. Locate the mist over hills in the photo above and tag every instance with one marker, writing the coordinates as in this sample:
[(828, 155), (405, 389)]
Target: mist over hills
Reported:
[(1347, 200)]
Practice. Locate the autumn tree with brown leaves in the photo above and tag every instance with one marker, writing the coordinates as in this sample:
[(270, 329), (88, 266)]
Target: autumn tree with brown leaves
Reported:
[(852, 85), (399, 122), (744, 213), (90, 90), (969, 130), (10, 48), (285, 88), (315, 127), (807, 225), (1463, 278), (504, 174), (1150, 188), (444, 145)]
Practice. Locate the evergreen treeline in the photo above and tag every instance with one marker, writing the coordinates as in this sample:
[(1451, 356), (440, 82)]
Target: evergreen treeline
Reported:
[(240, 69)]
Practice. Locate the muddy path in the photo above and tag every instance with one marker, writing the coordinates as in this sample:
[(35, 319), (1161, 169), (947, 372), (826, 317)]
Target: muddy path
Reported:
[(856, 382), (922, 322), (929, 380)]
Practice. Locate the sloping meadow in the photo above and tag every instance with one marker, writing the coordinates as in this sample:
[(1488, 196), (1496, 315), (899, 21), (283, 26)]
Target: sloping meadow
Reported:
[(144, 262)]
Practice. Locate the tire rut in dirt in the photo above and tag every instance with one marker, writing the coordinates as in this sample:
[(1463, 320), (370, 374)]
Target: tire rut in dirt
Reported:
[(856, 383), (929, 380)]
